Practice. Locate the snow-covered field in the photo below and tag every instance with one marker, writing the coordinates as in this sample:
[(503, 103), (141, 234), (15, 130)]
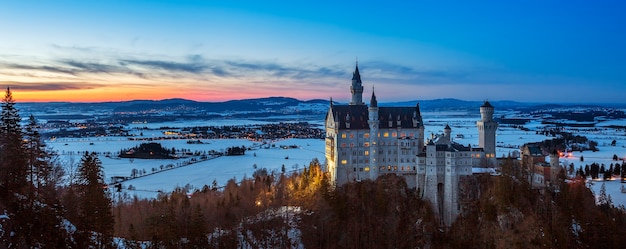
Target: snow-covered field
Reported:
[(273, 158)]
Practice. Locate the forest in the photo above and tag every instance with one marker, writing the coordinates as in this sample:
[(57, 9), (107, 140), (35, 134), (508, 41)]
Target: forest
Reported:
[(43, 207)]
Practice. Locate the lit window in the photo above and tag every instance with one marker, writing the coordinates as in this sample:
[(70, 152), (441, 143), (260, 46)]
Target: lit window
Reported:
[(343, 145), (366, 144), (343, 135), (403, 134), (367, 153), (367, 169), (395, 134), (351, 135), (386, 134), (366, 135), (344, 161)]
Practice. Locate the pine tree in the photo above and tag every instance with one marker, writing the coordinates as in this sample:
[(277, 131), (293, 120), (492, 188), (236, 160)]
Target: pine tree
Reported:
[(13, 183), (198, 230), (13, 167), (94, 218)]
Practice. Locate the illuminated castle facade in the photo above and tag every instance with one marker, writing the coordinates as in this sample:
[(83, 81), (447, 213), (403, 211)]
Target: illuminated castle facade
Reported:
[(363, 142)]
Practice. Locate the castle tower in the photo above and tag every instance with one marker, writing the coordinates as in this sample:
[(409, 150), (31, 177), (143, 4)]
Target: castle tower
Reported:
[(356, 88), (447, 133), (373, 123), (555, 166), (433, 181), (487, 130)]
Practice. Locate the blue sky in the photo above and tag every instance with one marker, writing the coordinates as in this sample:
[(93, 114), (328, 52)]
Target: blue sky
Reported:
[(537, 51)]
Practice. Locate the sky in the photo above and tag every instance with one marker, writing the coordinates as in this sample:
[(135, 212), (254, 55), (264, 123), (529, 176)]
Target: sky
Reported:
[(531, 51)]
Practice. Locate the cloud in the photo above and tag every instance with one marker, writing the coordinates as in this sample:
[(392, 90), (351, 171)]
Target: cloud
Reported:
[(191, 67), (283, 71), (410, 75), (48, 86)]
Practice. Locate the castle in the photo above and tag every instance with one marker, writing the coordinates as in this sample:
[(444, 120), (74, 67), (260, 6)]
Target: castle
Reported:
[(363, 142)]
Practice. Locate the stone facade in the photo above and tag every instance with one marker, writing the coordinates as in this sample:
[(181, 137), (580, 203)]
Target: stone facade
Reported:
[(364, 142)]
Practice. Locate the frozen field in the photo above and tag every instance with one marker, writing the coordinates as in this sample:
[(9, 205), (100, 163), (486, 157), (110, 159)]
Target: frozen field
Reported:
[(273, 157)]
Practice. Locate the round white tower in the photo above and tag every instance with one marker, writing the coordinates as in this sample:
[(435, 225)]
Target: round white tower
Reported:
[(487, 130), (373, 123)]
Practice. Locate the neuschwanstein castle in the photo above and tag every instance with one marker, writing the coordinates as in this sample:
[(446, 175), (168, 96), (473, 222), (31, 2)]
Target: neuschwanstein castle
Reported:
[(363, 142)]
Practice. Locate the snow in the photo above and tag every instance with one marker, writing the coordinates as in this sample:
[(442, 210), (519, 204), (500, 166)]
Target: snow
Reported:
[(198, 174), (221, 169)]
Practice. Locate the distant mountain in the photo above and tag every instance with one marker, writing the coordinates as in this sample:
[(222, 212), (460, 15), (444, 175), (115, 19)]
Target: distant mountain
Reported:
[(258, 107)]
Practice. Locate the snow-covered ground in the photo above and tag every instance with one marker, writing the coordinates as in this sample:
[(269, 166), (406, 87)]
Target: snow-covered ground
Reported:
[(224, 168)]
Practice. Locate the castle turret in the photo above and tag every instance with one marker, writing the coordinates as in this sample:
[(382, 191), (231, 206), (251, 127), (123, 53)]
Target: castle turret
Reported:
[(487, 130), (447, 133), (356, 88), (373, 123), (555, 166)]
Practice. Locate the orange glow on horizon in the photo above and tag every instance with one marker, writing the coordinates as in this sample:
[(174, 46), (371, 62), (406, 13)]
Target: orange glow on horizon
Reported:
[(108, 95)]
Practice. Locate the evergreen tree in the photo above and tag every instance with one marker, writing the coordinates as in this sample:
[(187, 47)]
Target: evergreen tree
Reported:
[(94, 217), (198, 230), (13, 182), (13, 167)]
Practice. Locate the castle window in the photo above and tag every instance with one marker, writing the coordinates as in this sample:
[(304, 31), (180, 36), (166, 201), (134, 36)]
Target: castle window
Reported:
[(343, 145), (344, 161), (354, 169), (389, 168), (403, 134), (367, 169), (351, 135), (343, 135), (411, 134), (351, 145), (395, 134), (366, 144), (360, 169), (367, 161), (413, 168), (366, 135), (367, 153), (386, 134), (353, 161)]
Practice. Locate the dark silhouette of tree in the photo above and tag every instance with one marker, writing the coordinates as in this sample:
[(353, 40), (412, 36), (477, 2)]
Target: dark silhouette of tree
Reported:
[(94, 218), (13, 169)]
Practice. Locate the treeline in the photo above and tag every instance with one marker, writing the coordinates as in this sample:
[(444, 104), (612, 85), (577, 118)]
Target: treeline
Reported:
[(510, 214), (260, 212), (147, 151), (35, 211)]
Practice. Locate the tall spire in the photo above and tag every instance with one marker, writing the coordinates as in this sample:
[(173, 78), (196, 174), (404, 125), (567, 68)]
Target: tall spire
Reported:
[(356, 75), (356, 89), (373, 101)]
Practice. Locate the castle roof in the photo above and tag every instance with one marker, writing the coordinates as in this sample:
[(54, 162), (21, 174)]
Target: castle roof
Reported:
[(356, 75), (373, 101), (358, 115), (487, 104)]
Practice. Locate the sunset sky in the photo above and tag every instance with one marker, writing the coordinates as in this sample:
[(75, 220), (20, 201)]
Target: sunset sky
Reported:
[(534, 51)]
